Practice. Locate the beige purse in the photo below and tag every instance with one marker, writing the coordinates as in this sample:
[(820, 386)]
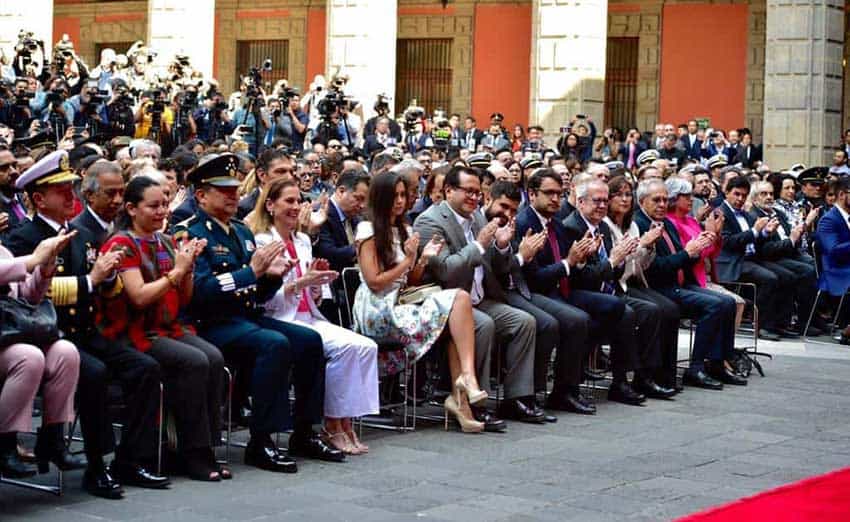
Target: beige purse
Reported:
[(417, 294)]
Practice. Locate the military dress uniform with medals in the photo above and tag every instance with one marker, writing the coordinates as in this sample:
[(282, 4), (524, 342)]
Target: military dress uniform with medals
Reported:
[(225, 309), (75, 300)]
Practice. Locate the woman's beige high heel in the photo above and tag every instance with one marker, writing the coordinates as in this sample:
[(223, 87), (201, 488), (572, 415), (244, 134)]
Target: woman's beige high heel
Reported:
[(467, 423), (465, 384)]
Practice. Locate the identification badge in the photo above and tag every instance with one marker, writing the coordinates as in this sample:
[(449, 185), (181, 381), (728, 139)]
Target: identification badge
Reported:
[(249, 245), (221, 250), (91, 254)]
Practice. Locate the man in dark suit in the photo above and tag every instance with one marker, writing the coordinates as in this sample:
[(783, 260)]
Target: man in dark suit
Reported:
[(12, 212), (272, 164), (691, 143), (744, 240), (747, 153), (475, 256), (80, 275), (336, 237), (554, 273), (781, 254), (380, 139), (103, 192), (672, 275), (559, 325), (631, 149), (671, 152), (472, 136), (602, 272)]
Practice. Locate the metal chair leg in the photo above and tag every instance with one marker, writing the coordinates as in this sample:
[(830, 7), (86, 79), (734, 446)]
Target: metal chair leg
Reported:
[(837, 312), (161, 422), (811, 314), (229, 431)]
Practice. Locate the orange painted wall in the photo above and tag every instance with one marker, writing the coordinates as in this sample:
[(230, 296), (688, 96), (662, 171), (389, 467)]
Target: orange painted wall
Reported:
[(501, 63), (69, 25), (316, 42), (695, 83)]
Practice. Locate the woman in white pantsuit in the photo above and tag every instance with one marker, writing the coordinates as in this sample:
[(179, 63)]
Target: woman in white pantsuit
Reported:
[(351, 371)]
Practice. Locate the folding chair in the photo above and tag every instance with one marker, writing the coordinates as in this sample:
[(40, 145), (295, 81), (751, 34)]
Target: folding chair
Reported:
[(750, 352), (834, 321)]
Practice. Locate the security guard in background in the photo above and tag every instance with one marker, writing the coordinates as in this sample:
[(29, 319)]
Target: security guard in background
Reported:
[(80, 275), (232, 276)]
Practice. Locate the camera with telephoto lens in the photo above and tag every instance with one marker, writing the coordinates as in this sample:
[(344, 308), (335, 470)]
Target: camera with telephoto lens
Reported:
[(55, 96), (382, 106), (332, 101), (188, 100), (253, 81), (124, 99), (413, 114), (158, 99), (442, 134), (23, 97)]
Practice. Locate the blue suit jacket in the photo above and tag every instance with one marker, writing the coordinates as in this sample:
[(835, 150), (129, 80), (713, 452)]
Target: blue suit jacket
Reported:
[(834, 240), (544, 272), (694, 152), (333, 243)]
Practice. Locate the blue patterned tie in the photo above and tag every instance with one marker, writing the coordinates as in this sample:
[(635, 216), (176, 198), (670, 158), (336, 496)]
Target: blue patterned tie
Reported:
[(607, 287)]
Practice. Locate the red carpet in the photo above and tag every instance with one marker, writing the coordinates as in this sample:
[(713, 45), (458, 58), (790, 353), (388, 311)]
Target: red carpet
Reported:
[(825, 498)]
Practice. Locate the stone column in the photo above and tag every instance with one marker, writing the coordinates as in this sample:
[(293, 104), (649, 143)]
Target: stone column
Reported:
[(34, 15), (177, 26), (803, 80), (567, 62), (361, 41)]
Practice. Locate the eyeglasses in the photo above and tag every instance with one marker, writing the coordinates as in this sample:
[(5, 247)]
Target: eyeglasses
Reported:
[(599, 201), (470, 192)]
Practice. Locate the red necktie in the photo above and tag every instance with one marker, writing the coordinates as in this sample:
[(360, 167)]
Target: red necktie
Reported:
[(564, 283), (680, 274), (303, 305)]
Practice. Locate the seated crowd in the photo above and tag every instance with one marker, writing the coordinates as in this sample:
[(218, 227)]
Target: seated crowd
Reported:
[(517, 262)]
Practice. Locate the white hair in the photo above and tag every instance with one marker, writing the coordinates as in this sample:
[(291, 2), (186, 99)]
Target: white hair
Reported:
[(646, 186), (406, 166), (152, 173), (584, 188)]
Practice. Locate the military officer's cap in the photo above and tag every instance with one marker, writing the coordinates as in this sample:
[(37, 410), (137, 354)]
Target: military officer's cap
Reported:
[(218, 170), (531, 162), (718, 160), (816, 175), (52, 169), (480, 160), (647, 156)]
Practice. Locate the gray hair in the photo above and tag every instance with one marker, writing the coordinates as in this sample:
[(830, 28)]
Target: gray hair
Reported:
[(139, 147), (647, 186), (581, 179), (584, 188), (152, 173), (677, 186), (91, 181), (406, 166)]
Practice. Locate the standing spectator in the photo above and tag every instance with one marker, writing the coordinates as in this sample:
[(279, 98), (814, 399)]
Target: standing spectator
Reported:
[(747, 154), (631, 149), (691, 141), (517, 138)]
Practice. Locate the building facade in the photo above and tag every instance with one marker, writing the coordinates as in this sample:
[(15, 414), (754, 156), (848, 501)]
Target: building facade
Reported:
[(774, 66)]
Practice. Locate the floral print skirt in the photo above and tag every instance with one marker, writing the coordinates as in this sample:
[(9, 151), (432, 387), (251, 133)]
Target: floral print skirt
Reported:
[(415, 327)]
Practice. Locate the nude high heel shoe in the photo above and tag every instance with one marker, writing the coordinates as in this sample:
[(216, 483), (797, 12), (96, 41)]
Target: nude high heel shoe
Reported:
[(467, 423), (465, 384)]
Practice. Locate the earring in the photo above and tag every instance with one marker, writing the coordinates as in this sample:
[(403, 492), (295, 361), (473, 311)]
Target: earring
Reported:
[(271, 213)]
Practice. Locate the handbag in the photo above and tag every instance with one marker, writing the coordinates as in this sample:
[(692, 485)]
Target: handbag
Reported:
[(21, 322), (417, 294)]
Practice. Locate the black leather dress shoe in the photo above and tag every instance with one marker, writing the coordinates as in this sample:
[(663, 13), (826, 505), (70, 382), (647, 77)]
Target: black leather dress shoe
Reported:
[(492, 423), (652, 390), (262, 453), (768, 336), (131, 474), (787, 333), (623, 392), (12, 467), (313, 447), (515, 409), (591, 375), (700, 379), (571, 402), (100, 483), (719, 372), (546, 417)]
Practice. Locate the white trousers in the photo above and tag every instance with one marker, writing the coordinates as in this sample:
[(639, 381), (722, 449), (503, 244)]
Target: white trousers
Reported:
[(351, 371)]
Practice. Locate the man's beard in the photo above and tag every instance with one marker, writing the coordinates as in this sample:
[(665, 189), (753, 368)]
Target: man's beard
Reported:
[(489, 214)]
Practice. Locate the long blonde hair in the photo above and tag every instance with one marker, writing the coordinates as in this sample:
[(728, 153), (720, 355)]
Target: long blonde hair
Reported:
[(259, 220)]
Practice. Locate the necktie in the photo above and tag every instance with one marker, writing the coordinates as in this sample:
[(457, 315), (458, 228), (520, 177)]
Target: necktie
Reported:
[(631, 162), (303, 305), (18, 209), (349, 234), (477, 291), (680, 274), (564, 282), (607, 287)]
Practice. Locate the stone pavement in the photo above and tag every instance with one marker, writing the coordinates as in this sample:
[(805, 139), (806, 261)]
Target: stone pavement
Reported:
[(626, 463)]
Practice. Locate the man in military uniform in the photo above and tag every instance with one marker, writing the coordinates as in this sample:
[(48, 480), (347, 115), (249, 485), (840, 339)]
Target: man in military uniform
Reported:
[(80, 275), (232, 275)]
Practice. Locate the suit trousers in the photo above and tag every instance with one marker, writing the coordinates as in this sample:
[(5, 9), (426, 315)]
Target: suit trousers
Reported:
[(497, 324), (275, 349), (771, 289), (138, 374), (801, 282), (193, 374), (668, 337), (714, 314), (561, 327)]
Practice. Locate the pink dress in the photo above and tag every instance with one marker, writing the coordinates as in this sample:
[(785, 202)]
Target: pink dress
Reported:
[(688, 228)]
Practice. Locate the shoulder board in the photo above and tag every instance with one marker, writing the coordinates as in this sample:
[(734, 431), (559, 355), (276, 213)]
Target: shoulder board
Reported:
[(186, 223)]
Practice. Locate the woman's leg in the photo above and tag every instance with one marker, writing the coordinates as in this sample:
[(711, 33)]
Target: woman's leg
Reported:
[(215, 383), (462, 345), (22, 365), (61, 372)]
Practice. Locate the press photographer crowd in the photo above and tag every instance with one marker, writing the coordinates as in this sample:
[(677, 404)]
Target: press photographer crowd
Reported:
[(158, 232)]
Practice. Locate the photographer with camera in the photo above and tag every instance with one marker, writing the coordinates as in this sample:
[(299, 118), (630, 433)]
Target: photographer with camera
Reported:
[(382, 108), (87, 110), (212, 121), (66, 64), (286, 120), (153, 117), (184, 105), (18, 107), (119, 111)]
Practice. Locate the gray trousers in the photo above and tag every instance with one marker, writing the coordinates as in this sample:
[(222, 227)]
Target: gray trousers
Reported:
[(497, 324), (193, 374)]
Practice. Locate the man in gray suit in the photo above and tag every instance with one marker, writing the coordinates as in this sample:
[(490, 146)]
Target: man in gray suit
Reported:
[(476, 255)]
